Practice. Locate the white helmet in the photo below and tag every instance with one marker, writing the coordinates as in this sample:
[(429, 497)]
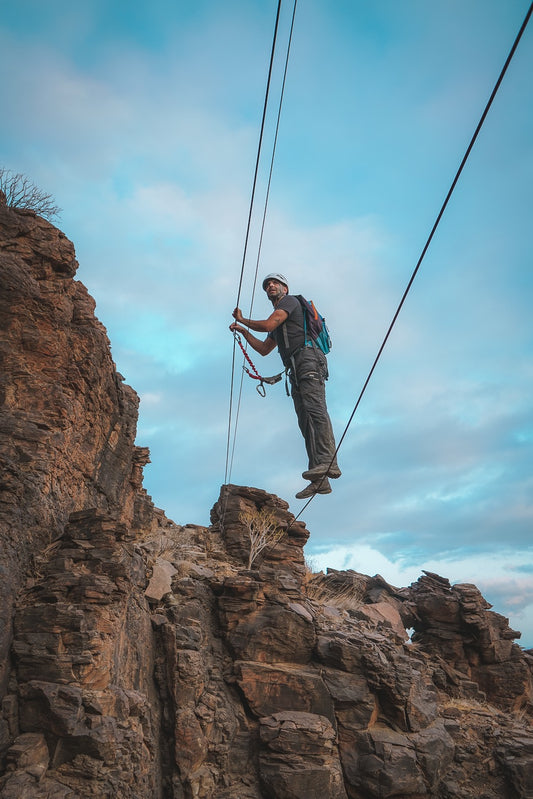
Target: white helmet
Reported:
[(275, 276)]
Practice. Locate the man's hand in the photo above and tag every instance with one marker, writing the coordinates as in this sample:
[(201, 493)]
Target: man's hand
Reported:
[(237, 315), (262, 347)]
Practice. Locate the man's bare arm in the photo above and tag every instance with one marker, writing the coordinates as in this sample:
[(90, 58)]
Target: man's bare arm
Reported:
[(262, 347), (276, 318)]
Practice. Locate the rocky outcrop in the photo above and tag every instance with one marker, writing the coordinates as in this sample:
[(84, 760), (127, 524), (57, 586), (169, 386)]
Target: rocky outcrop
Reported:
[(67, 420), (247, 683), (451, 622), (147, 660)]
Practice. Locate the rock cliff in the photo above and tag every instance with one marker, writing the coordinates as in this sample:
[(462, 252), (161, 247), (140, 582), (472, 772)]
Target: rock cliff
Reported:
[(144, 659)]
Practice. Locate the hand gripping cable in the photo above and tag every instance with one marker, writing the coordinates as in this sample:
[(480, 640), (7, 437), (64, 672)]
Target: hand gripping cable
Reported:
[(256, 376)]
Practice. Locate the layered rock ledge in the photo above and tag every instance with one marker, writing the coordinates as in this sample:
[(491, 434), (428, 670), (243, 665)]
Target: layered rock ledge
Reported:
[(223, 681)]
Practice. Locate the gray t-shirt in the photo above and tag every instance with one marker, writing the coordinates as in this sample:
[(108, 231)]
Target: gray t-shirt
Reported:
[(292, 329)]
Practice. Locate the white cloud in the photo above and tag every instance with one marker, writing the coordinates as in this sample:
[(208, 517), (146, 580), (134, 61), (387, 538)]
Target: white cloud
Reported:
[(494, 574), (150, 398)]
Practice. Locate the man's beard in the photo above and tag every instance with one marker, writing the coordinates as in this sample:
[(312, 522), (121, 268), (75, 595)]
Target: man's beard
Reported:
[(277, 297)]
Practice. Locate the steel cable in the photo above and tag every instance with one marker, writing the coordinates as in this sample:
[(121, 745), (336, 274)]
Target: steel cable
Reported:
[(430, 237), (258, 157), (229, 460)]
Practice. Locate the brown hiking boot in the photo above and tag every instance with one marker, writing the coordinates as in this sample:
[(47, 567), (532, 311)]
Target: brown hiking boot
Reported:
[(316, 472), (318, 487)]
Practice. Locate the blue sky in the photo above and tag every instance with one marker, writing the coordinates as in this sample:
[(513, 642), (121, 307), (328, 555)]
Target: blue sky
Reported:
[(143, 121)]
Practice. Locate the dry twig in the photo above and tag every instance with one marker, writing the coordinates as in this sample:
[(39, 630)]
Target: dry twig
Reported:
[(263, 530), (20, 192)]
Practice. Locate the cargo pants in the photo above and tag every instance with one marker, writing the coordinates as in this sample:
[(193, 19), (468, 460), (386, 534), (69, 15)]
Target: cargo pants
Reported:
[(308, 376)]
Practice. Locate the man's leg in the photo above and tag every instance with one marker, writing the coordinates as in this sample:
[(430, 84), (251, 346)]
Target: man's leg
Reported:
[(309, 397)]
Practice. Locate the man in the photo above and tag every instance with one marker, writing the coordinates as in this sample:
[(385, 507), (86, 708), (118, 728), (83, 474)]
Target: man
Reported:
[(308, 371)]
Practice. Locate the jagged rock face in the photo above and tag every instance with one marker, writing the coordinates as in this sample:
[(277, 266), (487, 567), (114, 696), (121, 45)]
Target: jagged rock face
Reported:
[(68, 422), (452, 623), (85, 662), (149, 661), (245, 683)]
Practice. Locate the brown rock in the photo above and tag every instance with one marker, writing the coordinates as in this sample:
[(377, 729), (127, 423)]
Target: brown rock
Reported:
[(435, 751), (456, 623), (387, 614), (226, 514), (161, 579), (67, 421), (300, 757), (270, 689), (264, 630), (517, 757), (382, 763), (30, 754), (356, 707)]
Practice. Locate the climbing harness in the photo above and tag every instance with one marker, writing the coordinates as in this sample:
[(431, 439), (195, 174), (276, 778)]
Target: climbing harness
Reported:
[(271, 381), (261, 390)]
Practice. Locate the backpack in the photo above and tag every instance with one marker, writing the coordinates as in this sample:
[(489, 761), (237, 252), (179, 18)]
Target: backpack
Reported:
[(315, 328)]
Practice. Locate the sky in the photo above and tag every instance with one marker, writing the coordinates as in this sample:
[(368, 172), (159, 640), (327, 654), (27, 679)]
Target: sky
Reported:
[(142, 119)]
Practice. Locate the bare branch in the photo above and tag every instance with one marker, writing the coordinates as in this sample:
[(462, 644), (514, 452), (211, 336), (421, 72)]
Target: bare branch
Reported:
[(263, 530), (20, 192)]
